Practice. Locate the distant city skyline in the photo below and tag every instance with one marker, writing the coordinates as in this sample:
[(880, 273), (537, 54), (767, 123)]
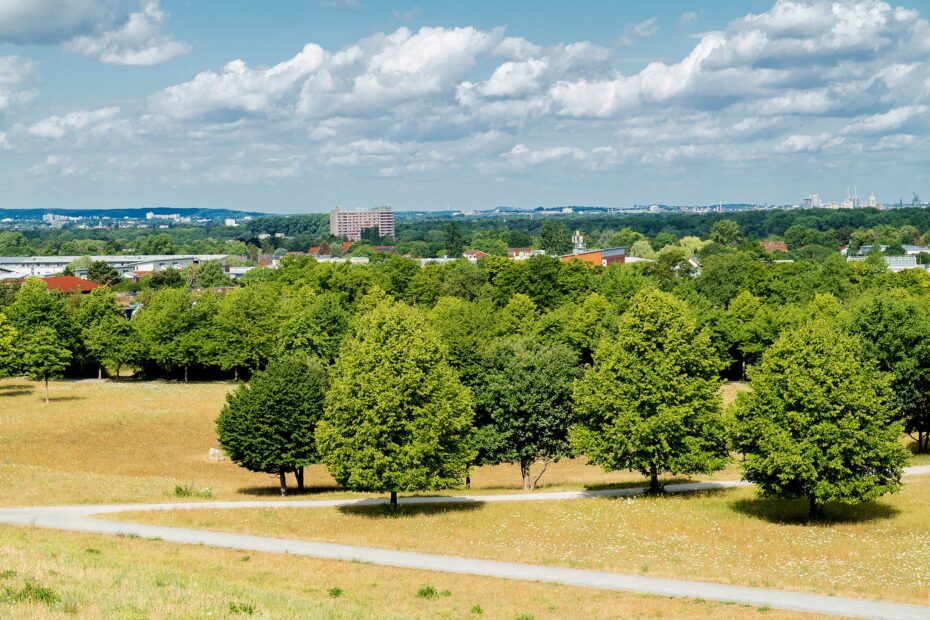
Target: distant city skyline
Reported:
[(297, 107)]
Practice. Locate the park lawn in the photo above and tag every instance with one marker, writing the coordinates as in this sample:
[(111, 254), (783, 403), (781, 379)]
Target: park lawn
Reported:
[(879, 551), (107, 441), (131, 441), (89, 576)]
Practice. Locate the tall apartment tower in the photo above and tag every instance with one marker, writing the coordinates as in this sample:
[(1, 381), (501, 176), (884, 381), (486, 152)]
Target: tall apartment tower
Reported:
[(350, 224)]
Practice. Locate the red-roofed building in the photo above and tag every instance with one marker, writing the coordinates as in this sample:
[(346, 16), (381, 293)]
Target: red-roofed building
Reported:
[(474, 255), (775, 246), (345, 247), (70, 284)]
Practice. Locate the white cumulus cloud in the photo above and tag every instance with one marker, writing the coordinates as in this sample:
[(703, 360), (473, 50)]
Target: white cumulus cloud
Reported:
[(140, 41), (236, 89), (50, 21), (57, 127)]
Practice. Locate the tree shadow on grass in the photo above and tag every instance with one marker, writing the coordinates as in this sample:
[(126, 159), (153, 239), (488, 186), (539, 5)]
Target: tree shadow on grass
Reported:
[(634, 484), (674, 496), (911, 446), (275, 490), (63, 399), (795, 511), (16, 389), (386, 511)]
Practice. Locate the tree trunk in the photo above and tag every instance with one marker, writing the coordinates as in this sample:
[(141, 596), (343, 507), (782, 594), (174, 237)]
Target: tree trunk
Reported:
[(813, 509), (654, 486), (185, 374), (118, 366), (283, 482), (525, 473), (99, 371), (468, 479), (545, 464), (922, 439), (46, 390), (236, 373), (299, 474), (393, 499)]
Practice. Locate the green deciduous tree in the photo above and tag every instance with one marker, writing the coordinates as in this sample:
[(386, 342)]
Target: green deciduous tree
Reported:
[(554, 238), (14, 243), (268, 425), (166, 278), (649, 402), (454, 241), (466, 331), (112, 342), (313, 325), (210, 274), (102, 273), (173, 329), (98, 317), (579, 326), (724, 275), (35, 306), (245, 328), (397, 417), (518, 318), (7, 348), (642, 249), (748, 329), (523, 404), (725, 232), (895, 328), (42, 356), (818, 423)]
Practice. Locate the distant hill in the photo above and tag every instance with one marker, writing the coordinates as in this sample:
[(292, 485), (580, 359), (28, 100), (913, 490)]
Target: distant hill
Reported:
[(210, 214)]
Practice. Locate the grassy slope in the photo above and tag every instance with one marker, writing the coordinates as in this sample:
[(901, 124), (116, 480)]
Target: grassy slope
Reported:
[(103, 577), (105, 441), (728, 536)]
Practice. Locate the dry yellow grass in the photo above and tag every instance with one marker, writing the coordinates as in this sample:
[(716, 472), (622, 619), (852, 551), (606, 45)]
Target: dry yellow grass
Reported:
[(106, 441), (882, 551), (102, 441), (101, 577)]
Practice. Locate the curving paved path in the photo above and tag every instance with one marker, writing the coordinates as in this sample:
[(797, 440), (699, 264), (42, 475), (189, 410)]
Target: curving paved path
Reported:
[(78, 518)]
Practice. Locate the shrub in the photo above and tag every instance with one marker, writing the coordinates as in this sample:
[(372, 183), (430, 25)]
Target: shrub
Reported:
[(241, 608), (32, 592), (188, 490)]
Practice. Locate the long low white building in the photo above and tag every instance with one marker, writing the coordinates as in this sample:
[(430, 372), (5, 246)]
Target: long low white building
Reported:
[(14, 267)]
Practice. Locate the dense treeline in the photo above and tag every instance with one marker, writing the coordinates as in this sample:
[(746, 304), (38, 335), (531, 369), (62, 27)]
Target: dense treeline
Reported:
[(808, 233), (819, 227), (530, 361), (300, 232)]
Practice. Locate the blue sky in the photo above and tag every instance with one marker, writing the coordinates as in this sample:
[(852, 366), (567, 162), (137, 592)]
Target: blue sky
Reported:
[(302, 105)]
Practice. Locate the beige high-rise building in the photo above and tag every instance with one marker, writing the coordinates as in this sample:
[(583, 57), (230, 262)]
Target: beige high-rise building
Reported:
[(350, 224)]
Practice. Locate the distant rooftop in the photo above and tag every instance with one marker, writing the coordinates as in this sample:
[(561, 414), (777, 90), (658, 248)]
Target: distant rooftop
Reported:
[(108, 258)]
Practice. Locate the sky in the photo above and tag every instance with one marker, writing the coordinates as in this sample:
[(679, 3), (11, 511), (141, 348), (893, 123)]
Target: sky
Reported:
[(298, 106)]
